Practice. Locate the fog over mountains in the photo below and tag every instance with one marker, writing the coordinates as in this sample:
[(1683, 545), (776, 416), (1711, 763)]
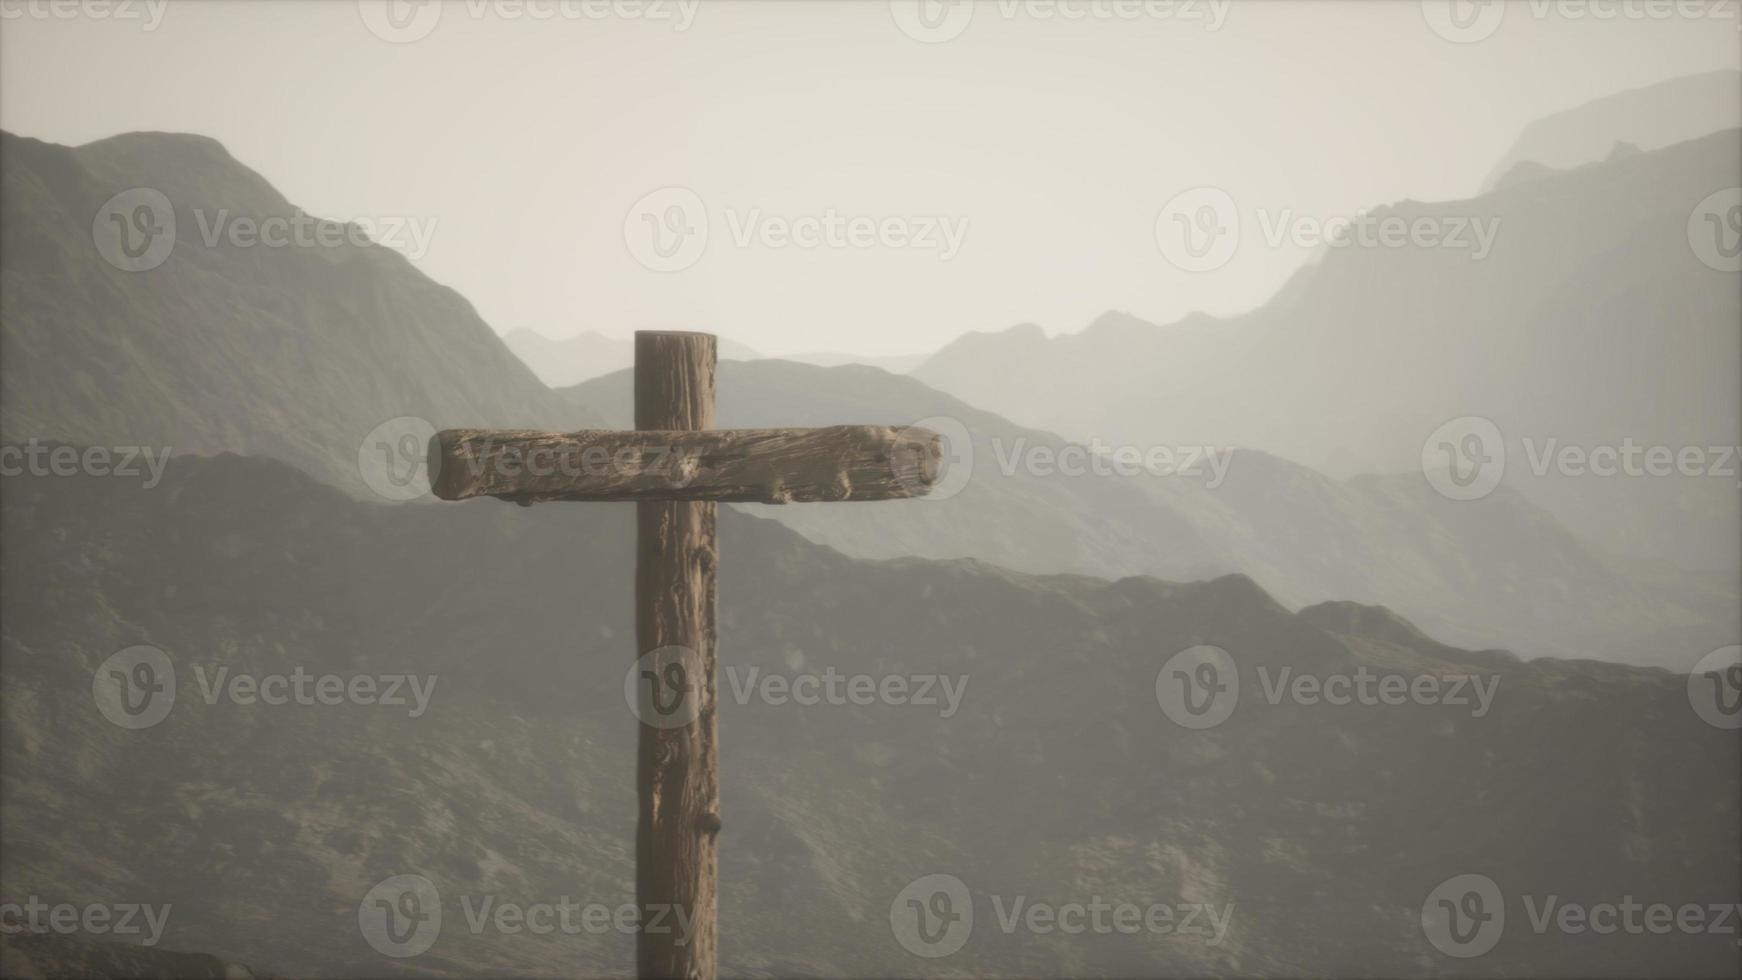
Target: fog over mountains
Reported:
[(1468, 571), (1306, 539), (1593, 322), (1647, 118)]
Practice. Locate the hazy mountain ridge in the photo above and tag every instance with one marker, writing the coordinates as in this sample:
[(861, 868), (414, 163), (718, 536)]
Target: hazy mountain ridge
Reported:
[(1495, 572), (569, 360), (292, 352), (1646, 118), (564, 361), (1591, 306), (1058, 779)]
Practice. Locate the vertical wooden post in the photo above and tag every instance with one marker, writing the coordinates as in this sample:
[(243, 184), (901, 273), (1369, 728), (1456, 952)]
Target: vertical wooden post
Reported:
[(677, 769)]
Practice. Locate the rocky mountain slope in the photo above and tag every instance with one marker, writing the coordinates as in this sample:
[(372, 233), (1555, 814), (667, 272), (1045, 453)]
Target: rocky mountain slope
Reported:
[(216, 340), (1314, 832)]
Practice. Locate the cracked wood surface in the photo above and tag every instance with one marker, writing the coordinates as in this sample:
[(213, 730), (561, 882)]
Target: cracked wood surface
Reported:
[(676, 833), (771, 466)]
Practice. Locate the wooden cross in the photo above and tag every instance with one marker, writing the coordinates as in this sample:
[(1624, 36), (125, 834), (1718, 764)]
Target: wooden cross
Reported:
[(676, 467)]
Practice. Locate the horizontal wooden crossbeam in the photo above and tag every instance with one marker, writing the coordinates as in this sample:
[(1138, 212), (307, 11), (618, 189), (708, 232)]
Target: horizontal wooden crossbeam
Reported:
[(770, 466)]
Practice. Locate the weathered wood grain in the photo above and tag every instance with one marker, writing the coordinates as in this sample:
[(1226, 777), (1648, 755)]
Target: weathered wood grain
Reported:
[(676, 846), (677, 467), (772, 466)]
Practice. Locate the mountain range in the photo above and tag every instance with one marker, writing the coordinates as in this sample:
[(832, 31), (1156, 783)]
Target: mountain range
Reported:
[(1646, 118), (570, 360), (1592, 323), (1497, 572), (1316, 831)]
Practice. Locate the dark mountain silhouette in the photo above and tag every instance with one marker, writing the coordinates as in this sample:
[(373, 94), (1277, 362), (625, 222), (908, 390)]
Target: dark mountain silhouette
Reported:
[(1059, 778)]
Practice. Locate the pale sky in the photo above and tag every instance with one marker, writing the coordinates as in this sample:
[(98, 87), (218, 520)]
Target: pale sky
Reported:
[(525, 145)]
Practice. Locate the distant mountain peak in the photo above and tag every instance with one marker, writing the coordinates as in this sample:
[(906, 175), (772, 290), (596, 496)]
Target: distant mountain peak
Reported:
[(1648, 118)]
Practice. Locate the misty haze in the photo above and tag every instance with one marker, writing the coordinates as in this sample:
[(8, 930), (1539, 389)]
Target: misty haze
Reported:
[(877, 488)]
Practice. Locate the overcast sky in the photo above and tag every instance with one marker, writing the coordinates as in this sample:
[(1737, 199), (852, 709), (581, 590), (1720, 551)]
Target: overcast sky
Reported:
[(1007, 167)]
